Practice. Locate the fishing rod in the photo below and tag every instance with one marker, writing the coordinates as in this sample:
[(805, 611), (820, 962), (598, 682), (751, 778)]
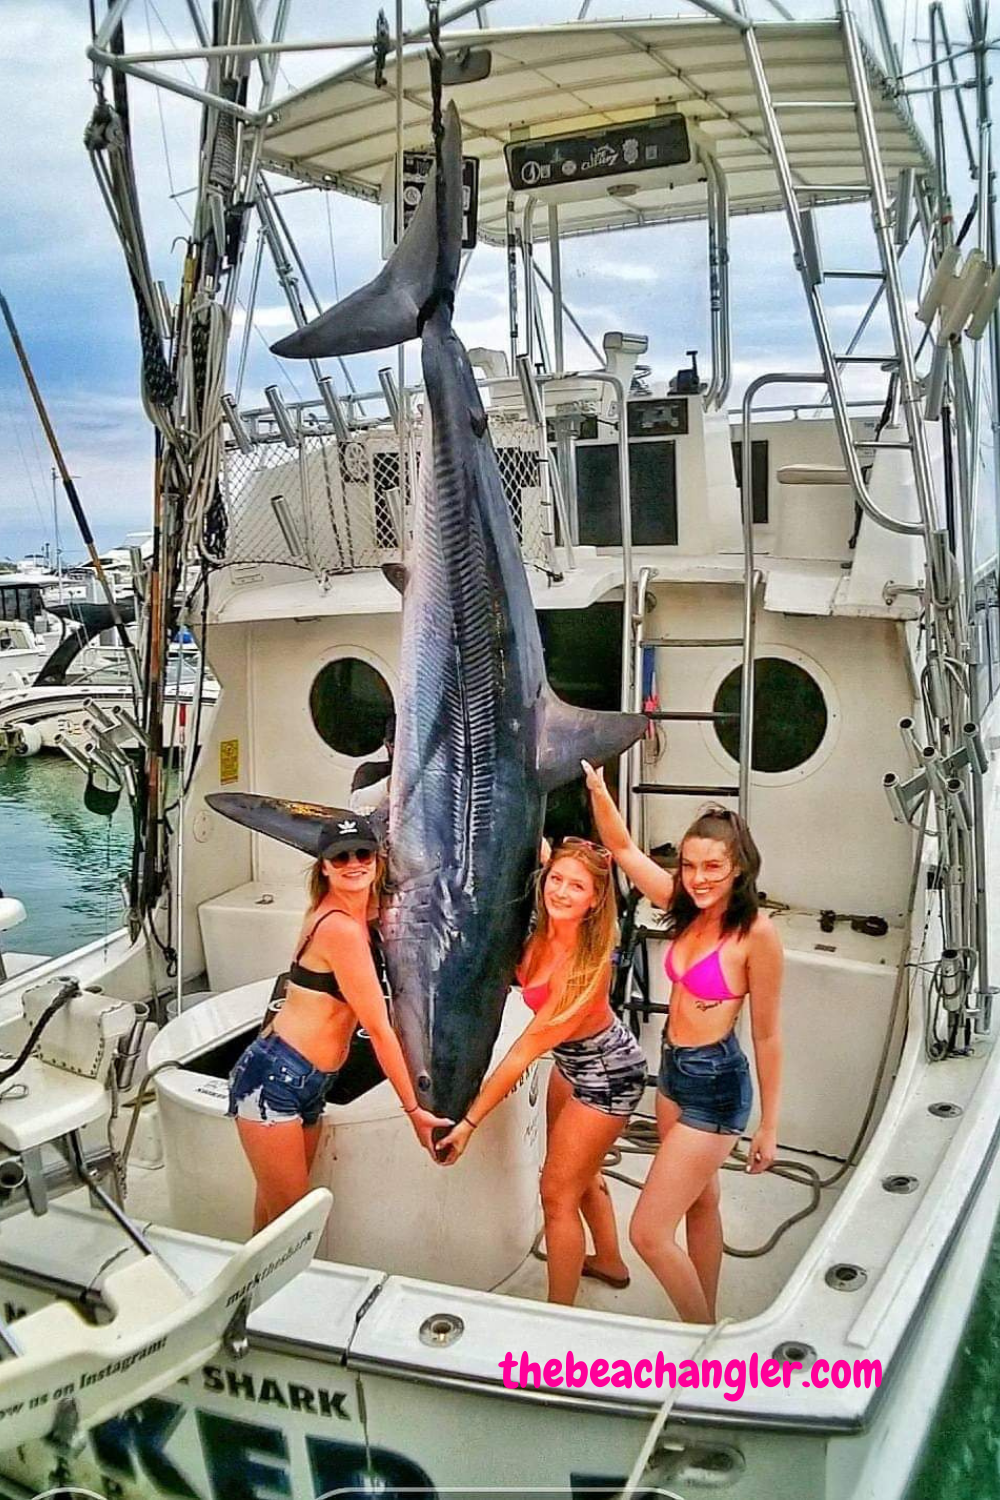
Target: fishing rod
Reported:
[(72, 496)]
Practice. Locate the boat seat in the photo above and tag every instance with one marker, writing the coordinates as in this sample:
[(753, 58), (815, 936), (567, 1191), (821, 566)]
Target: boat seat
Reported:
[(12, 913), (62, 1086)]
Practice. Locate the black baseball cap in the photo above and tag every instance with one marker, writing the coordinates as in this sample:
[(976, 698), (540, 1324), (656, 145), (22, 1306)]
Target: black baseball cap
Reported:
[(349, 832)]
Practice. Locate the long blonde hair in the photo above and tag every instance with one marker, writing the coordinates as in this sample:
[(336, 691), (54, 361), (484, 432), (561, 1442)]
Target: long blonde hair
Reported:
[(598, 934), (318, 884)]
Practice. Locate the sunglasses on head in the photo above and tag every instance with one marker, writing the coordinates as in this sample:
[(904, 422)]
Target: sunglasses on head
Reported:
[(344, 856), (572, 842)]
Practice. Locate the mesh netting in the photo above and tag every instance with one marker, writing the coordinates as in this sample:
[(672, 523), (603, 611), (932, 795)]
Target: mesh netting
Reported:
[(341, 502)]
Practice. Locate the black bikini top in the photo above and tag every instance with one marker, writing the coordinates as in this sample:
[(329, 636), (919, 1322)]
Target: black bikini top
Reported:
[(324, 981)]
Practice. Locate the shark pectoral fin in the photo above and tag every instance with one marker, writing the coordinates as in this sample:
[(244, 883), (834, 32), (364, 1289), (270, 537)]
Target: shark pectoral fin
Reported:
[(568, 735), (396, 574), (304, 825), (388, 309)]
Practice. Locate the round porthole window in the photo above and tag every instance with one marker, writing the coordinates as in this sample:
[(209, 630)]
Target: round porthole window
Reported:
[(790, 715), (349, 702)]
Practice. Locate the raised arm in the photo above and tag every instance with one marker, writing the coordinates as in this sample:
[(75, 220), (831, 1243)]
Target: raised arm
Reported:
[(765, 967), (651, 878), (344, 946)]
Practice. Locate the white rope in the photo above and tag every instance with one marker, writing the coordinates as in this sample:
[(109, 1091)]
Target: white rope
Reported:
[(638, 1470)]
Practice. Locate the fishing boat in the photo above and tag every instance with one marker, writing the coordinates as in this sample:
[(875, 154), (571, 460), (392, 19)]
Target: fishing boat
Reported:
[(28, 634), (809, 590)]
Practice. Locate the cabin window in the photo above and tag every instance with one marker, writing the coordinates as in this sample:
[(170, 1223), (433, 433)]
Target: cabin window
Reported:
[(652, 470), (349, 702), (758, 476), (789, 714)]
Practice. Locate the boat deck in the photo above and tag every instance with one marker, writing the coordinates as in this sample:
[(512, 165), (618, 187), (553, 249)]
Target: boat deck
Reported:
[(753, 1208)]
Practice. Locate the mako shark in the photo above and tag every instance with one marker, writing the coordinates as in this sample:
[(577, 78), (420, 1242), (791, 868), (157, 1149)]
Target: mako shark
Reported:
[(480, 737)]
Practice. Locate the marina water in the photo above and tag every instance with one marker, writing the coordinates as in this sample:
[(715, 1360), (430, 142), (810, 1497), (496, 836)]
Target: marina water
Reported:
[(65, 864)]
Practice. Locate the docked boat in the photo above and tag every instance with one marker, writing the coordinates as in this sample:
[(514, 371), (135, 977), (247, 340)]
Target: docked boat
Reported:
[(28, 634), (811, 593)]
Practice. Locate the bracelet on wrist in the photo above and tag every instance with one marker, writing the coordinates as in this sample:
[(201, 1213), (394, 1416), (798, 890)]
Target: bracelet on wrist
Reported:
[(412, 1110), (471, 1123)]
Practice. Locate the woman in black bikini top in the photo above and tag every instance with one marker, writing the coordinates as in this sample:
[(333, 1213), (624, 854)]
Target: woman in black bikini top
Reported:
[(278, 1088)]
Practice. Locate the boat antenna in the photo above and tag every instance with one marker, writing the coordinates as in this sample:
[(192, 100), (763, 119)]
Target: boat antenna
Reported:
[(72, 496)]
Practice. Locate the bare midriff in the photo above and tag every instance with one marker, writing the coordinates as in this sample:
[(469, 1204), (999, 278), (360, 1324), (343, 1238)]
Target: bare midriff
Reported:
[(691, 1025), (317, 1026)]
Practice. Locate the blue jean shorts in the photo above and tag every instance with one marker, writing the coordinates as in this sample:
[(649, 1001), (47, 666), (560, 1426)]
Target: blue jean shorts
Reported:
[(711, 1085), (272, 1084)]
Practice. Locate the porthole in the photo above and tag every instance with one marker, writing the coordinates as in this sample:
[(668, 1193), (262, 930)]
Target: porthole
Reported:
[(791, 715), (349, 703)]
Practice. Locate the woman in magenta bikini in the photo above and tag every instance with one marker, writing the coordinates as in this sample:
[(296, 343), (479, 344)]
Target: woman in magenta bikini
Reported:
[(599, 1073), (724, 950)]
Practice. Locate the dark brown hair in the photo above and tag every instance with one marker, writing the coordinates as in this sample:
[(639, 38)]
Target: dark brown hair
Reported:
[(744, 902)]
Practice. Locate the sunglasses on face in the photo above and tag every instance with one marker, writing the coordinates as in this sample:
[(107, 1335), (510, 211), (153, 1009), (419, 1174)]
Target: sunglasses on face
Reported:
[(572, 842), (344, 856)]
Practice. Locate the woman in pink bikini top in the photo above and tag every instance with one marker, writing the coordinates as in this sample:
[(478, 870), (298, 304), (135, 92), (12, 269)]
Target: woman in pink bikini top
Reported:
[(600, 1069), (724, 950)]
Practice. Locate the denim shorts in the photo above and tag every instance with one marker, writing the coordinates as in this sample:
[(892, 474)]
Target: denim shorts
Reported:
[(272, 1084), (606, 1071), (711, 1084)]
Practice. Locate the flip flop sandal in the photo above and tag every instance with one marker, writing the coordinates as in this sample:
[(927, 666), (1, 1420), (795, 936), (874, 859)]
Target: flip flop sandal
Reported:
[(617, 1283)]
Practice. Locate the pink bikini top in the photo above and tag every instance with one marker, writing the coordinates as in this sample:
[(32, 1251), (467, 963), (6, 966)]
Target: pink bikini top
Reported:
[(535, 995), (705, 979)]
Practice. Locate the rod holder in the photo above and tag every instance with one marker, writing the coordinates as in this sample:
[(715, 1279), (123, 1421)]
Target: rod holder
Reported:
[(976, 750), (334, 410), (72, 753), (951, 978), (903, 208), (939, 284), (529, 390), (390, 391), (985, 307), (904, 801), (937, 686), (934, 394), (911, 743), (966, 291), (287, 526), (236, 424), (99, 761), (126, 721), (282, 416), (959, 802), (99, 715)]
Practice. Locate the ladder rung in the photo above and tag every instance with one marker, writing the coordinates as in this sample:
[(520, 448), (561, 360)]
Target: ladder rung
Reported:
[(813, 104), (866, 359), (854, 275), (693, 641), (692, 715), (812, 474), (903, 443), (656, 789)]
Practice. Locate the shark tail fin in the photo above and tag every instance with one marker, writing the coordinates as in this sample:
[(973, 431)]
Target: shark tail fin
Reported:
[(569, 735), (422, 270)]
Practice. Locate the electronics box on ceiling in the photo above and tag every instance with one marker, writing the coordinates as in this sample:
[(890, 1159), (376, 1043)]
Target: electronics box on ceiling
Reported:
[(417, 168), (664, 151)]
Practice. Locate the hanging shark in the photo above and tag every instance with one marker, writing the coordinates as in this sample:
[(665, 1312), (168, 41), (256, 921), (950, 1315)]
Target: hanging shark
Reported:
[(481, 739)]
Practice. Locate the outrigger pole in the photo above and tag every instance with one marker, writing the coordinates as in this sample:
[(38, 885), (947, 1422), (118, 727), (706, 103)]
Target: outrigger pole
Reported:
[(72, 496)]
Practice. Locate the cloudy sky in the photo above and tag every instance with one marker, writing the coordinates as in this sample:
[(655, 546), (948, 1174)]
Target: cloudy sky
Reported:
[(62, 272)]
